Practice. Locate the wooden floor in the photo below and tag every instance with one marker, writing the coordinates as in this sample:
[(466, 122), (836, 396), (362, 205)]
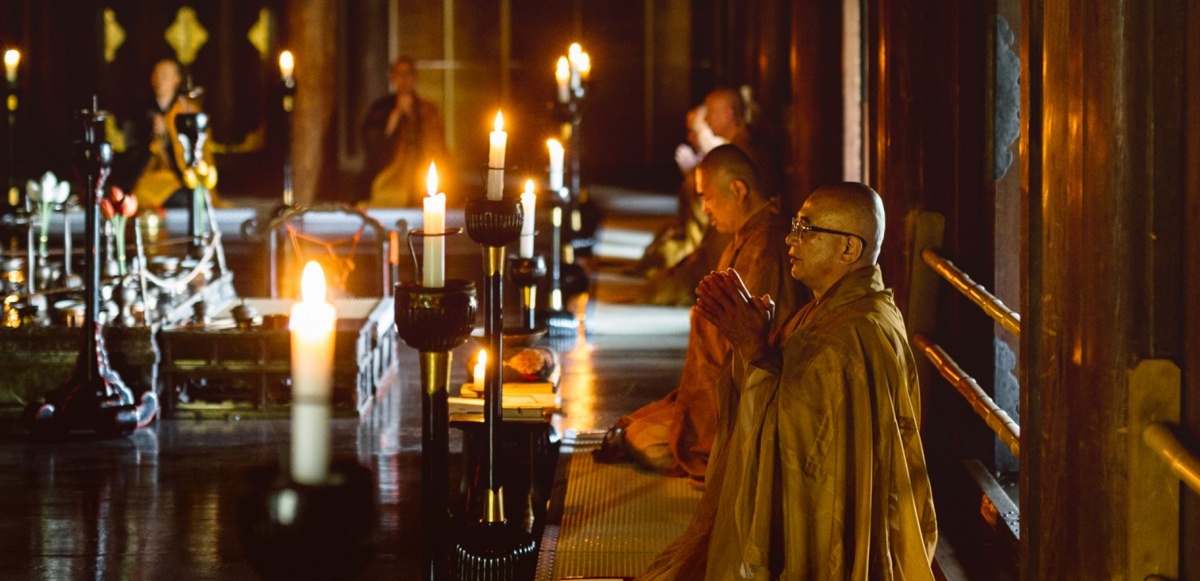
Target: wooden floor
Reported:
[(161, 504)]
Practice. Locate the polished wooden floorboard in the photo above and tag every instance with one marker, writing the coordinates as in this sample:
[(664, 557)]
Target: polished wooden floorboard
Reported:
[(161, 504)]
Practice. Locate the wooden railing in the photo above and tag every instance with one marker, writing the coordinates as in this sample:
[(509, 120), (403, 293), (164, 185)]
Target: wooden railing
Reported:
[(994, 307), (997, 419), (1159, 437)]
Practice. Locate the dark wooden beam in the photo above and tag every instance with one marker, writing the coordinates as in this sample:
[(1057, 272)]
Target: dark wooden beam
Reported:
[(815, 157), (1103, 256)]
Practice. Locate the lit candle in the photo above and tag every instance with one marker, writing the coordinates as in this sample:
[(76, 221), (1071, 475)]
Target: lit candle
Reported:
[(312, 324), (433, 274), (287, 66), (585, 66), (573, 54), (480, 370), (556, 164), (528, 202), (499, 138), (12, 58), (562, 74)]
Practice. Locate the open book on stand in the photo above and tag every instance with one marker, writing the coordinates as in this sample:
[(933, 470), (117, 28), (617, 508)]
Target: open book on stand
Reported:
[(522, 401)]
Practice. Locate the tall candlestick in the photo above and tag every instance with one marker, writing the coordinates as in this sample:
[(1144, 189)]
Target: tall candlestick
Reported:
[(12, 58), (499, 138), (528, 202), (312, 325), (287, 66), (433, 274), (562, 75), (556, 164)]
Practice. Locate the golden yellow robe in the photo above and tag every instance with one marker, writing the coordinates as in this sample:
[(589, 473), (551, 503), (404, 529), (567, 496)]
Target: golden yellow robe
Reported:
[(675, 434), (818, 471)]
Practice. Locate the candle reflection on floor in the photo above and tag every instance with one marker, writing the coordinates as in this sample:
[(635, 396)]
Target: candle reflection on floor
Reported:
[(162, 503)]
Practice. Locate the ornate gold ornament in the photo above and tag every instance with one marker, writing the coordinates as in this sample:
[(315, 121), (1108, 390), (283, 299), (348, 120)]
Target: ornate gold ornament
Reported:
[(114, 35), (186, 35), (260, 34)]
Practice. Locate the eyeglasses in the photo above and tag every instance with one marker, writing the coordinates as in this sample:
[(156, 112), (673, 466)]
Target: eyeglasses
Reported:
[(799, 229)]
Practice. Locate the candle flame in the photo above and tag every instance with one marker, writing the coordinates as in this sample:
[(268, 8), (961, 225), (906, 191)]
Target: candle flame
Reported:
[(287, 63), (529, 187), (11, 58), (556, 148), (574, 52), (480, 367), (312, 283), (431, 182), (499, 124), (564, 69)]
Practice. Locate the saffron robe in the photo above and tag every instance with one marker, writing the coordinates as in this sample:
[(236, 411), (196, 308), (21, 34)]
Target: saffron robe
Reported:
[(818, 471), (675, 434)]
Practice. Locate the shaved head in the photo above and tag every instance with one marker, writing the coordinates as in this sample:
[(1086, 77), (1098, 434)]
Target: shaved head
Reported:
[(728, 187), (855, 208), (729, 162), (838, 230), (726, 112)]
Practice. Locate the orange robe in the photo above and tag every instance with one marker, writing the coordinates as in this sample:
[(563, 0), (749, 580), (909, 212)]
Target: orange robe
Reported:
[(818, 472), (675, 434)]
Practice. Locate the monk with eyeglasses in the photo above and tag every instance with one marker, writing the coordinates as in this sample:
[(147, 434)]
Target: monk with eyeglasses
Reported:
[(818, 471)]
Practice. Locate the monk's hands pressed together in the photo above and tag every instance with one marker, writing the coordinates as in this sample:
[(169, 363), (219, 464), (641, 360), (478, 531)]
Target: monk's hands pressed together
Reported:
[(742, 318)]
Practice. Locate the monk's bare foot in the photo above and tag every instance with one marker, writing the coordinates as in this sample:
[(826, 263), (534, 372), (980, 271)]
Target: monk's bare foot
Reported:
[(612, 448)]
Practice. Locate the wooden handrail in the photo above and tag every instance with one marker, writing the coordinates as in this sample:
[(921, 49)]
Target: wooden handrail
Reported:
[(994, 307), (997, 419), (1159, 437)]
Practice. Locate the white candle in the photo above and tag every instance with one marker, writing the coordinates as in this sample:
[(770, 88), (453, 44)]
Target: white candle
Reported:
[(480, 370), (562, 74), (495, 184), (433, 274), (287, 66), (528, 202), (499, 138), (585, 66), (573, 54), (312, 324), (12, 58), (556, 164)]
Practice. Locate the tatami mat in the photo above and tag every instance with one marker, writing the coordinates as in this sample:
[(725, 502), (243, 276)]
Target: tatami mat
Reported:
[(614, 517)]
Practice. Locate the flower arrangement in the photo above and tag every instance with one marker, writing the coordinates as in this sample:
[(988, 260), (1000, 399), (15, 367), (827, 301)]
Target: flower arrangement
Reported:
[(48, 192), (117, 207)]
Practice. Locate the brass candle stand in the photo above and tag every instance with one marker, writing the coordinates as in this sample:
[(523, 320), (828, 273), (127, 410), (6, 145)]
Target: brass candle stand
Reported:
[(434, 321), (190, 128), (95, 399), (493, 548)]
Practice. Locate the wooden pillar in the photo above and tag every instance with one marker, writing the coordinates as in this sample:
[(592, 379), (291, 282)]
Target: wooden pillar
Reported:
[(895, 65), (1104, 233), (1191, 261), (311, 36), (927, 144), (816, 107)]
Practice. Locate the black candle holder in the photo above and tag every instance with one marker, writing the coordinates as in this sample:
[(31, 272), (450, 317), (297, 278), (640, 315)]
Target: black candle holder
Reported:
[(434, 321), (95, 399), (294, 531), (559, 321), (492, 548), (526, 273)]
